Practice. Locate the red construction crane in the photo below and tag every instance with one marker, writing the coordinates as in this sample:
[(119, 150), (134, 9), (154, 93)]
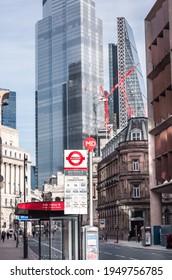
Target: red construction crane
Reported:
[(105, 95)]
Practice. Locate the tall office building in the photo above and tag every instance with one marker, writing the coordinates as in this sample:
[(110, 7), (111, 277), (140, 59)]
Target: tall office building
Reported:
[(9, 112), (133, 90), (69, 72), (113, 80)]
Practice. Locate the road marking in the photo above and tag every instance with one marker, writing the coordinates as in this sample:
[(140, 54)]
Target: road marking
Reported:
[(48, 246), (119, 256), (133, 259), (107, 253)]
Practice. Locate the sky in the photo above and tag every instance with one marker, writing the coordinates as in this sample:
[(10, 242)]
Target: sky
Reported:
[(17, 50)]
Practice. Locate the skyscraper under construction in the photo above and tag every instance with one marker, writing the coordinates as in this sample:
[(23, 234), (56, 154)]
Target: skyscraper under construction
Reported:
[(131, 91)]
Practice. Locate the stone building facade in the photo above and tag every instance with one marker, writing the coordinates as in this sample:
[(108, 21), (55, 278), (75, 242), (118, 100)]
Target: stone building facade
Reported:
[(123, 182), (12, 170)]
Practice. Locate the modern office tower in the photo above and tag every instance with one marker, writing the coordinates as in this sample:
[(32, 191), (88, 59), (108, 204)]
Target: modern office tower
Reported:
[(132, 91), (113, 80), (158, 34), (9, 112), (69, 73)]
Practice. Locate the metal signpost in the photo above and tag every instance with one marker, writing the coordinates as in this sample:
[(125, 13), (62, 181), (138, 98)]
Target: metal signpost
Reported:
[(90, 233), (25, 237), (90, 144)]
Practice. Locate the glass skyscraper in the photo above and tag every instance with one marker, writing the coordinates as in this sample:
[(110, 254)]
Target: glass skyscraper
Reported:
[(132, 93), (69, 72), (113, 80), (9, 111)]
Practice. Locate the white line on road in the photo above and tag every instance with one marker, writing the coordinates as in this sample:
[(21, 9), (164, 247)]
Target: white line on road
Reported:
[(47, 245), (119, 256)]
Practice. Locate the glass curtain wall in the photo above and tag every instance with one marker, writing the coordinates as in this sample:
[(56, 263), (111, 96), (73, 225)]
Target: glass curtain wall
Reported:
[(69, 72), (133, 92), (9, 111)]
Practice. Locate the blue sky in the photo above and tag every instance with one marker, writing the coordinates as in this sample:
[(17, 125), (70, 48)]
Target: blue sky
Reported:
[(17, 50)]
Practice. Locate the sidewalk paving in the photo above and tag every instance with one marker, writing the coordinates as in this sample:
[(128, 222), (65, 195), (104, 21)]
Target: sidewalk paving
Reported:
[(9, 251), (135, 244)]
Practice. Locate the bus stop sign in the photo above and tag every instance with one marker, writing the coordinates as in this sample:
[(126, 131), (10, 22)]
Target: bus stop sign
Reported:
[(90, 143)]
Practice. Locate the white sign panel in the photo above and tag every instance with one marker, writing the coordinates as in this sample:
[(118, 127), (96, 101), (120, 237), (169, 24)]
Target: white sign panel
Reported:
[(75, 160), (75, 201)]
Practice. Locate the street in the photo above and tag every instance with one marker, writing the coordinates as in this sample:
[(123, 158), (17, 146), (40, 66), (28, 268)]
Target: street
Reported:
[(110, 251), (107, 251)]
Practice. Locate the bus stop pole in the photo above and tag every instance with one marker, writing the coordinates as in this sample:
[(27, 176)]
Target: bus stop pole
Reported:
[(39, 239), (25, 237), (91, 186)]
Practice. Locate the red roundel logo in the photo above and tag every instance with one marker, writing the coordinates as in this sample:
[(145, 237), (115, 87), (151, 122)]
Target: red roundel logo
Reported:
[(75, 158), (90, 143)]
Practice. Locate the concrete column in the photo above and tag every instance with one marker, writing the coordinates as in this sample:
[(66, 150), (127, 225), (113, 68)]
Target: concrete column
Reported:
[(12, 179), (7, 178)]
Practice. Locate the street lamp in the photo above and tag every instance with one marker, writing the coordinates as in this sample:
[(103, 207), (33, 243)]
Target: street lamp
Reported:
[(4, 94), (1, 186), (25, 237), (117, 226)]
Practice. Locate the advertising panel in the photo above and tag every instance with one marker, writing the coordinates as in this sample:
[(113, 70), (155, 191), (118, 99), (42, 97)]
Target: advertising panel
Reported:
[(91, 245)]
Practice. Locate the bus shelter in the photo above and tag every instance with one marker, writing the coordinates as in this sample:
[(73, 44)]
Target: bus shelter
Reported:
[(56, 236)]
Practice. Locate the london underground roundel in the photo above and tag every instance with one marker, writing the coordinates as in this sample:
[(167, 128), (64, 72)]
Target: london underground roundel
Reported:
[(75, 160)]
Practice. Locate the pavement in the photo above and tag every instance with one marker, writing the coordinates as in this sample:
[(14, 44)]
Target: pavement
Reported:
[(9, 251), (135, 244)]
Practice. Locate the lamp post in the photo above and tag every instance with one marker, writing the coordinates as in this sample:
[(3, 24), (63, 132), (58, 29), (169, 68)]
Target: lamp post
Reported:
[(25, 237), (4, 94), (117, 226), (1, 182), (1, 186)]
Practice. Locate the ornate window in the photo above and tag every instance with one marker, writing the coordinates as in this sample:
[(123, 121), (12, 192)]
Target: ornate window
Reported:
[(136, 135), (135, 163), (136, 191)]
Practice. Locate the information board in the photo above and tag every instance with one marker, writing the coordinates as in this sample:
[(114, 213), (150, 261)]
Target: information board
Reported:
[(75, 201)]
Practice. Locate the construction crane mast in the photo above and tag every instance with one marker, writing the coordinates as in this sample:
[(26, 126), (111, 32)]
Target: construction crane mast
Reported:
[(105, 95)]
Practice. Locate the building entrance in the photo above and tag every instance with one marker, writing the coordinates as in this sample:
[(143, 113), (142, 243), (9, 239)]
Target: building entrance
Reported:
[(136, 228)]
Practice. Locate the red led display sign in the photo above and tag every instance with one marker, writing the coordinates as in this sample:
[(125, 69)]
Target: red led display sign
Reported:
[(43, 206)]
